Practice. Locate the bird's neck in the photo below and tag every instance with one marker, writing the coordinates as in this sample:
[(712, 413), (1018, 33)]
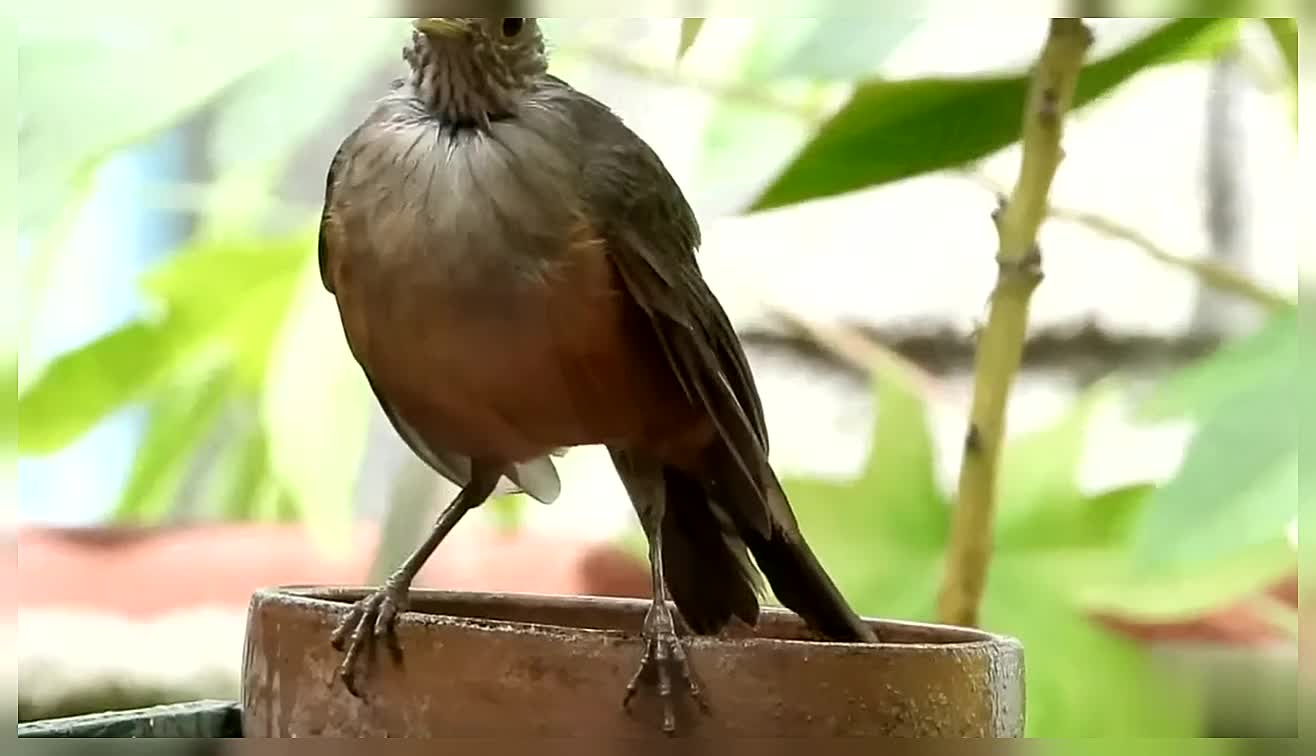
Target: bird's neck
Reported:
[(449, 82)]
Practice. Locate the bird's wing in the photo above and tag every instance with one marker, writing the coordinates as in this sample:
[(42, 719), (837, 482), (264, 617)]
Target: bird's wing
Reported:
[(328, 228), (652, 235), (537, 478)]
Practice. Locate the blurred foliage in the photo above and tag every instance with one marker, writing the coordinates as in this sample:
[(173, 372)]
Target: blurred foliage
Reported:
[(690, 28), (253, 400), (1062, 554), (1210, 537), (1238, 487), (885, 534), (892, 130), (237, 361), (12, 291), (803, 62), (1285, 33), (287, 70)]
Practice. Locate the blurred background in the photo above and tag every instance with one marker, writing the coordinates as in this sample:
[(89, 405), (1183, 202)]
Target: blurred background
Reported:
[(192, 426)]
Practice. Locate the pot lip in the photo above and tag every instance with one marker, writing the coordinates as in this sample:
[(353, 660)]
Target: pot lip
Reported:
[(328, 599)]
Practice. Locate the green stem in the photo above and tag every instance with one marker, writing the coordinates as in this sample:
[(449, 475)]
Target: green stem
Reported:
[(1000, 346)]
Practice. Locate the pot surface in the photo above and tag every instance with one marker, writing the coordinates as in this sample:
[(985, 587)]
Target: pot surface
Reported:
[(536, 666)]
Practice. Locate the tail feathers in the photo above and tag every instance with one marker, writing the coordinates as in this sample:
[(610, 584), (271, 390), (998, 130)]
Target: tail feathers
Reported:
[(763, 518), (799, 582), (797, 578), (708, 576)]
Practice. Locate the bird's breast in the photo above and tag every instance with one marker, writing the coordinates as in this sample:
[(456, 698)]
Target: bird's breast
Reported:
[(477, 205), (476, 291)]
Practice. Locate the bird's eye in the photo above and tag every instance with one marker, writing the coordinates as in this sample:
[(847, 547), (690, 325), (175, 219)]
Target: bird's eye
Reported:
[(512, 27)]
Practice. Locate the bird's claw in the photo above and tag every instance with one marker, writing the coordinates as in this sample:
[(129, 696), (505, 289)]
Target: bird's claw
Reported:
[(370, 619), (664, 658)]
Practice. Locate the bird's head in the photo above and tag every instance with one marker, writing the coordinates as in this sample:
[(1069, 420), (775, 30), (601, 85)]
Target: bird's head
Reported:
[(473, 69)]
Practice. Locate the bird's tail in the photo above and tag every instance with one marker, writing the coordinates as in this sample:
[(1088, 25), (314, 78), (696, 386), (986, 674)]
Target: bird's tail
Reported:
[(799, 581), (707, 570), (708, 532), (783, 556)]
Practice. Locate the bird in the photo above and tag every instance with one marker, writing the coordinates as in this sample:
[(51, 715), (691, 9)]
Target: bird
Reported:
[(515, 273)]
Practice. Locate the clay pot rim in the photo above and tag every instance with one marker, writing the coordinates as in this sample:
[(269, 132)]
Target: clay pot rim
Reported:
[(332, 601)]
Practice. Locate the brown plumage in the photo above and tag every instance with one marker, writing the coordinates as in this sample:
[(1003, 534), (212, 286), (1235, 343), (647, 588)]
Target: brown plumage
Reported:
[(520, 278)]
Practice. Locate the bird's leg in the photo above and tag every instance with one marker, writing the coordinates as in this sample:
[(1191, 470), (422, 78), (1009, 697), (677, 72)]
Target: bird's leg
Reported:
[(664, 655), (373, 617)]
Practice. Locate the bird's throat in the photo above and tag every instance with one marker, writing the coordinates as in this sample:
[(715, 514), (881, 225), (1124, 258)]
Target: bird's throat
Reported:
[(453, 85)]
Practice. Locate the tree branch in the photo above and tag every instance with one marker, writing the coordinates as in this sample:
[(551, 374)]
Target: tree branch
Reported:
[(1209, 272), (858, 350), (1001, 343)]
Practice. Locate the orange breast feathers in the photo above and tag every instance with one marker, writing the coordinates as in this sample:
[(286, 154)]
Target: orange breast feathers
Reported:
[(514, 368)]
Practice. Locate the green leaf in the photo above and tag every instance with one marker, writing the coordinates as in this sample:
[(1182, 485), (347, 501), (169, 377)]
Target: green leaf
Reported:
[(508, 513), (1089, 534), (1107, 519), (210, 275), (300, 91), (1038, 483), (901, 473), (844, 47), (249, 281), (894, 130), (315, 411), (134, 77), (878, 572), (882, 535), (9, 409), (84, 386), (1263, 357), (1284, 31), (222, 300), (690, 28), (839, 48), (1175, 593), (740, 135), (48, 253), (241, 484), (180, 421), (1082, 680), (883, 540), (1238, 487), (1138, 746), (796, 59), (896, 496)]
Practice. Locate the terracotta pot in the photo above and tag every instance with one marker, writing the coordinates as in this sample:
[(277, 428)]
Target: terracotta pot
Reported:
[(524, 665)]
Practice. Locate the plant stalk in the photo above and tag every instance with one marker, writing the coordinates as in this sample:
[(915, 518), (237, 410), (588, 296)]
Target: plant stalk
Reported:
[(1000, 346)]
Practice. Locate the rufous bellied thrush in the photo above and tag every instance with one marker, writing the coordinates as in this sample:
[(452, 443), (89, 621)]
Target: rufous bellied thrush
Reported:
[(515, 270)]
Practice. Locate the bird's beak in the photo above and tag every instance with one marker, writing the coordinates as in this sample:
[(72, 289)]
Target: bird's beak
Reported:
[(439, 27)]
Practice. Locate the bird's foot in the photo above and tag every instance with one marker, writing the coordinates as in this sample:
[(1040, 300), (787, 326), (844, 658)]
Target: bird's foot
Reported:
[(371, 619), (664, 658)]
